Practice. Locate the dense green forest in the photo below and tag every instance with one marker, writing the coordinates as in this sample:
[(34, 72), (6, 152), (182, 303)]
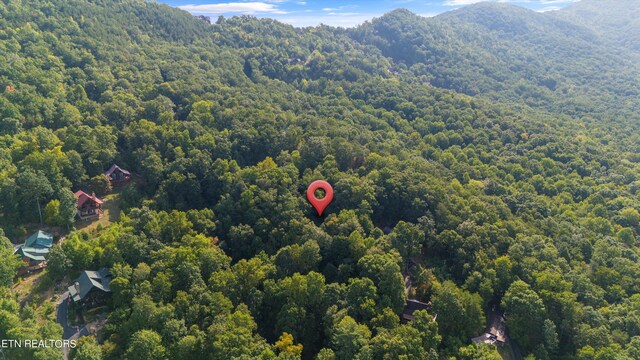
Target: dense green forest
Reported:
[(496, 148)]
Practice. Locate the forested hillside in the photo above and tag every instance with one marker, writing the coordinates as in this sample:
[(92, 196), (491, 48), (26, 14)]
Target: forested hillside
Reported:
[(617, 21), (494, 149), (512, 54)]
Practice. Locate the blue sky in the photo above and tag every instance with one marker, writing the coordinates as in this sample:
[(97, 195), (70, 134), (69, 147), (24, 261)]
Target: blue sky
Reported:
[(336, 12)]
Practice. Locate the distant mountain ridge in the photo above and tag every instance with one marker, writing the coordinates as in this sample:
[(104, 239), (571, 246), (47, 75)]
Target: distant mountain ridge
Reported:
[(510, 53), (513, 20), (615, 20)]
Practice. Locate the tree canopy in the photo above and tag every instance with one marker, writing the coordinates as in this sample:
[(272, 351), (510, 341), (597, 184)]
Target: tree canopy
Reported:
[(480, 159)]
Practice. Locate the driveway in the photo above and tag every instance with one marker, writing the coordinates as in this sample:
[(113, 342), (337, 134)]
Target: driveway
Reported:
[(62, 317)]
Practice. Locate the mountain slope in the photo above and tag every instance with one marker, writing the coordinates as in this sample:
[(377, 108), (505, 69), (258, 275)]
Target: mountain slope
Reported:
[(617, 21), (510, 53)]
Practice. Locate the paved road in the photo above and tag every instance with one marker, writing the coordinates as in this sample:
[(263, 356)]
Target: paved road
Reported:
[(62, 317), (74, 332)]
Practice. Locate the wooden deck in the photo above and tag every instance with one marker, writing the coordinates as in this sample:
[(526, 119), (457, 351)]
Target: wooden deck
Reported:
[(94, 216), (26, 270)]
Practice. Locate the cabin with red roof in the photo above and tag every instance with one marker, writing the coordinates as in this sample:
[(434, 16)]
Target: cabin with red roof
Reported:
[(117, 175), (89, 206)]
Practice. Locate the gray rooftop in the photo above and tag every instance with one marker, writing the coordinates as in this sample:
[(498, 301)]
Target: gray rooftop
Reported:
[(89, 280)]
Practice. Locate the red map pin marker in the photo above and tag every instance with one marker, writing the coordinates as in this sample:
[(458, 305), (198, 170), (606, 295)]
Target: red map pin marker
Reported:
[(320, 204)]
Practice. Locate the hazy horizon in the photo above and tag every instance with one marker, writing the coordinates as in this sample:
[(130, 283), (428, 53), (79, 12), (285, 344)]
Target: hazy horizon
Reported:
[(338, 13)]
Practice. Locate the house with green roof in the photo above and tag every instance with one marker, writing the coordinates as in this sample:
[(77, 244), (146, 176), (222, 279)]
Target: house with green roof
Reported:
[(91, 287), (36, 248)]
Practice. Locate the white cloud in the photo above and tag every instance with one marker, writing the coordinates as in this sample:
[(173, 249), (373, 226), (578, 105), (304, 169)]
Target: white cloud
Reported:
[(343, 14), (343, 7), (344, 19), (461, 2), (233, 7), (469, 2), (334, 16), (549, 8)]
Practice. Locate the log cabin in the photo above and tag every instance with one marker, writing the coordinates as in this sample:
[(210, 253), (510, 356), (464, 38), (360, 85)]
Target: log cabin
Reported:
[(89, 206)]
